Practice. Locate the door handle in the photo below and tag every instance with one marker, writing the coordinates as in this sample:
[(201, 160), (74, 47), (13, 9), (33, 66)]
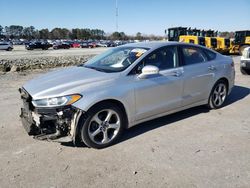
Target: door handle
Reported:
[(177, 73), (211, 68)]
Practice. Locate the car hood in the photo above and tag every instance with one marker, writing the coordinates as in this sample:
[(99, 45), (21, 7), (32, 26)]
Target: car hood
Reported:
[(67, 81)]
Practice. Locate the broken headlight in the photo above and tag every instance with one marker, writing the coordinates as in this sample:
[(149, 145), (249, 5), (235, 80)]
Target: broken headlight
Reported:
[(56, 101)]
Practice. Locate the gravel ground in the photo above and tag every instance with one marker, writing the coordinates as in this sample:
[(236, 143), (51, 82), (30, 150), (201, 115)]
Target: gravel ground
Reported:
[(21, 59), (193, 148), (20, 52)]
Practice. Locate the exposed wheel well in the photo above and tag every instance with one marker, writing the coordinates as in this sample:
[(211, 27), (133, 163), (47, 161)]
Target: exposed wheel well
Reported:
[(115, 102), (77, 140)]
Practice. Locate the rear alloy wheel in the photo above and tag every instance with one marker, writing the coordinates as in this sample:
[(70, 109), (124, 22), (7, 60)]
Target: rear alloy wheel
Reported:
[(218, 95), (103, 126)]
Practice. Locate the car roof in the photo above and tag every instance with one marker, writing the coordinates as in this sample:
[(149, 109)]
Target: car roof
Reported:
[(158, 44)]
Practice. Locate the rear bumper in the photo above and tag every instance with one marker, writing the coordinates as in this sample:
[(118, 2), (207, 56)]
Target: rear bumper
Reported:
[(53, 124)]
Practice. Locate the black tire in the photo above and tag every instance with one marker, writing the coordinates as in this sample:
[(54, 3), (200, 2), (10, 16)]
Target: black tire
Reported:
[(85, 124), (9, 49), (244, 71), (212, 97)]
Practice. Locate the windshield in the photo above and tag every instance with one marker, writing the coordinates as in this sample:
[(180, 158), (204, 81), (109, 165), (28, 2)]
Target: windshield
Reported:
[(115, 59)]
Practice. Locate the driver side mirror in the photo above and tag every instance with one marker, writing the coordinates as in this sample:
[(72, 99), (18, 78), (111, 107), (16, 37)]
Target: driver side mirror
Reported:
[(148, 70)]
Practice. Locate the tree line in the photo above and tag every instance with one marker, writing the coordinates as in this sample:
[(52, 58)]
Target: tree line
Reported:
[(29, 33), (20, 32)]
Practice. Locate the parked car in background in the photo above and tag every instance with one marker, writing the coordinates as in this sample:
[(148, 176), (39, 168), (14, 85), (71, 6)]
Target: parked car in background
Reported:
[(84, 45), (94, 102), (245, 61), (6, 46), (88, 45), (100, 44), (92, 45), (17, 42), (75, 45), (61, 46), (38, 45), (111, 44)]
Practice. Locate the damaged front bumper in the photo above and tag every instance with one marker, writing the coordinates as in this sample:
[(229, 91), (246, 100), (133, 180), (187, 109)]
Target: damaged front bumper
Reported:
[(54, 124)]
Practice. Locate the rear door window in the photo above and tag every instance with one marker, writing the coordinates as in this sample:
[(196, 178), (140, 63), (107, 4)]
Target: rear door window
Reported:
[(193, 55), (210, 55)]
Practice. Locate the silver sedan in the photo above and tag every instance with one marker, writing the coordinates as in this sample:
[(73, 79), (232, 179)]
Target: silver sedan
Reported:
[(94, 102)]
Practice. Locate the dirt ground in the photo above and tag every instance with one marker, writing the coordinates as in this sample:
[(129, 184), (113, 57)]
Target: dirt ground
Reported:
[(193, 148), (19, 51)]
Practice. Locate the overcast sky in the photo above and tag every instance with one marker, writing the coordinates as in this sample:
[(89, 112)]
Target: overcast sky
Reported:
[(146, 16)]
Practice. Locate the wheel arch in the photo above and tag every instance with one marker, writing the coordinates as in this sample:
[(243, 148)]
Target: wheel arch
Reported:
[(84, 115), (115, 102), (225, 80), (220, 79)]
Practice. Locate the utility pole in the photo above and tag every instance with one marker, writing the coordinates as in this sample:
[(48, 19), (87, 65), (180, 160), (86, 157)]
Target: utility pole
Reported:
[(116, 14)]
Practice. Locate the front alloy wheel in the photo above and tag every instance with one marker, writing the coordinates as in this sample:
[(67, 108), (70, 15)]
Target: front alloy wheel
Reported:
[(103, 126), (218, 95)]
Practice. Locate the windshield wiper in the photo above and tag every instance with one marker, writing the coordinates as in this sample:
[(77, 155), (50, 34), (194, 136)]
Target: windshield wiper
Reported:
[(95, 68)]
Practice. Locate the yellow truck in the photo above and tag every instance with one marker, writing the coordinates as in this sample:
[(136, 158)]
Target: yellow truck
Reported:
[(206, 38), (223, 45), (192, 39), (210, 40), (183, 34), (219, 44), (240, 42)]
